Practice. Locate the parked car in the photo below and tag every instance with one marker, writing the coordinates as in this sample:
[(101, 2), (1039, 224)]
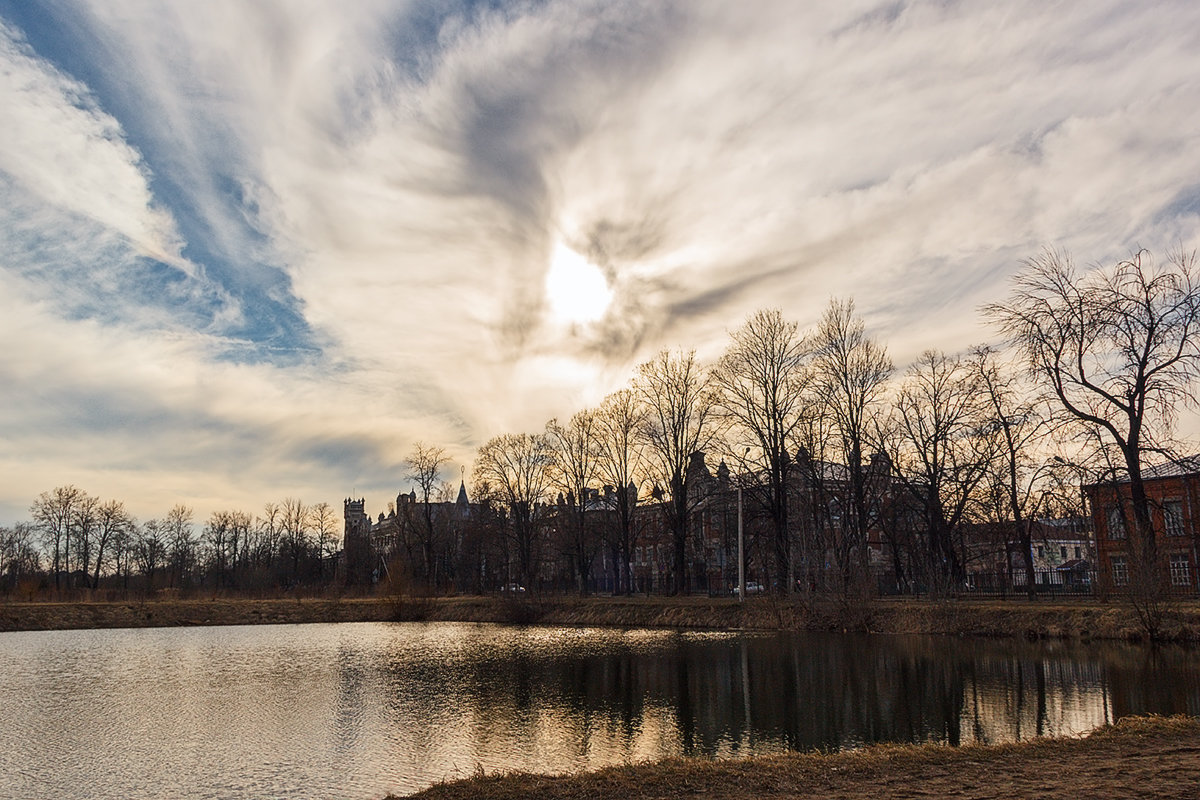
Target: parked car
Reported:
[(752, 587), (515, 588)]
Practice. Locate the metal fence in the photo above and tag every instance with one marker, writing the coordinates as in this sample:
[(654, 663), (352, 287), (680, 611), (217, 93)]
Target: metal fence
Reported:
[(1046, 581)]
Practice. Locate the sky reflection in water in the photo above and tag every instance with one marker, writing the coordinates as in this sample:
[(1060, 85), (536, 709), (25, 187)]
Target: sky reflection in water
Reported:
[(360, 710)]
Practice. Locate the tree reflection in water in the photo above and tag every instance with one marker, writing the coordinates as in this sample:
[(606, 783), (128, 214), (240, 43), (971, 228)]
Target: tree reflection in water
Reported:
[(720, 695)]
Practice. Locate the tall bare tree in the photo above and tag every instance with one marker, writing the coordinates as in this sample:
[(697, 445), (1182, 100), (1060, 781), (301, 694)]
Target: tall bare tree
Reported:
[(1118, 349), (112, 523), (850, 374), (573, 469), (943, 448), (424, 465), (1021, 427), (84, 531), (151, 550), (681, 419), (512, 471), (324, 527), (55, 513), (619, 463), (295, 522), (762, 379), (268, 539), (181, 542)]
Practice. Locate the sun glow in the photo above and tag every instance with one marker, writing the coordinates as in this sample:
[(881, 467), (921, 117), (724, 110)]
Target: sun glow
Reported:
[(576, 289)]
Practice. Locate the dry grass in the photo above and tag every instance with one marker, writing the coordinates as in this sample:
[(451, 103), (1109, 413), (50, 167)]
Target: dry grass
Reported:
[(176, 612), (1151, 757), (1043, 619)]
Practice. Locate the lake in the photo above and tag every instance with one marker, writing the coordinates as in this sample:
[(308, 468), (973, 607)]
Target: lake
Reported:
[(358, 710)]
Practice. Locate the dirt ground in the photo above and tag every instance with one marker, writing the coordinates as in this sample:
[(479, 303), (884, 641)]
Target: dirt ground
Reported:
[(1147, 757)]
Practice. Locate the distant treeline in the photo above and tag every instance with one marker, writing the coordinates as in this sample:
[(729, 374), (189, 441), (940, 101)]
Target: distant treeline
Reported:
[(79, 542)]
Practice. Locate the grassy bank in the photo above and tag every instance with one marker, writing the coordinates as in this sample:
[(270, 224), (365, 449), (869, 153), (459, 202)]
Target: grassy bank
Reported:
[(158, 613), (1139, 757), (1042, 619)]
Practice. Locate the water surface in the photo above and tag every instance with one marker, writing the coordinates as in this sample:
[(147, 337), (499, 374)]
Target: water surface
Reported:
[(358, 710)]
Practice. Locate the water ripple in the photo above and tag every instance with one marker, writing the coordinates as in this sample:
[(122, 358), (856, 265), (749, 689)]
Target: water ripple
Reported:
[(355, 711)]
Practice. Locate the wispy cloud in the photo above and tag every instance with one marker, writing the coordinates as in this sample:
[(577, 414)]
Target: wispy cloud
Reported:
[(325, 230), (65, 151)]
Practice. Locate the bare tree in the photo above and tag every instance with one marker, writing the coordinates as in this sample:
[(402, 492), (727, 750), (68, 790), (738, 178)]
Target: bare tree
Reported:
[(124, 550), (112, 523), (620, 454), (815, 496), (680, 420), (424, 466), (573, 469), (512, 471), (19, 557), (55, 513), (181, 543), (850, 373), (324, 525), (84, 531), (942, 452), (268, 541), (226, 536), (1118, 349), (294, 519), (1021, 428), (151, 550), (762, 379)]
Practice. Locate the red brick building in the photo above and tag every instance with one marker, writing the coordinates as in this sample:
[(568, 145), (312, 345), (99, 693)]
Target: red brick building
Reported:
[(1173, 489)]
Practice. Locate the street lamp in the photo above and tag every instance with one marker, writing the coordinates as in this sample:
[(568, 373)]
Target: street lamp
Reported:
[(741, 536), (741, 547)]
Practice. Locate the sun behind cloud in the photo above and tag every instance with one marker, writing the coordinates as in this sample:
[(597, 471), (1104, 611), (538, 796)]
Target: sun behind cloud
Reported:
[(576, 290)]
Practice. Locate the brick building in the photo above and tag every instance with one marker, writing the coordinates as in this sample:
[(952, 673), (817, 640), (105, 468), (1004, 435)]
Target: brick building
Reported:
[(1173, 489)]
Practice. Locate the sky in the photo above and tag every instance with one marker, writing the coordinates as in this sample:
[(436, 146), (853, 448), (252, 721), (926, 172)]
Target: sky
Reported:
[(256, 250)]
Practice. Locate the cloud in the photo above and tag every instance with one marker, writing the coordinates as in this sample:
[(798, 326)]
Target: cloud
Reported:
[(60, 147), (364, 201)]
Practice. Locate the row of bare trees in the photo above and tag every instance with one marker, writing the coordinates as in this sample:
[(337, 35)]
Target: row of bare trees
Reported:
[(77, 542), (1090, 373)]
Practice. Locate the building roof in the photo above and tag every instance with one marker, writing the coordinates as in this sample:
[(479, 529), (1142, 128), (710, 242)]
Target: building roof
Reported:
[(1187, 465), (1173, 468)]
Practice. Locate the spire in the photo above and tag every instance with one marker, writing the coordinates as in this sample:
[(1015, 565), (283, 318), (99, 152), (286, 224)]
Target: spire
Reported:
[(462, 495)]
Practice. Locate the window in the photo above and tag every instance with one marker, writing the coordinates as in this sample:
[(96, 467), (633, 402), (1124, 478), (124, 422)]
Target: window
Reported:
[(1041, 551), (1173, 517), (1120, 571), (1062, 552), (1181, 570), (1077, 555), (1116, 523)]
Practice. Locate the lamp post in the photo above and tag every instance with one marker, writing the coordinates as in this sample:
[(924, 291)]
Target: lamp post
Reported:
[(741, 536), (741, 550)]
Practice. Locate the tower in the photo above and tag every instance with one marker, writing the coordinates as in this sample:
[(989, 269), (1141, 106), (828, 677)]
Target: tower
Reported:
[(356, 540)]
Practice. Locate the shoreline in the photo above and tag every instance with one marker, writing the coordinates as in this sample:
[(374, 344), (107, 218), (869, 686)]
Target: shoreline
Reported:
[(1138, 757), (1042, 619)]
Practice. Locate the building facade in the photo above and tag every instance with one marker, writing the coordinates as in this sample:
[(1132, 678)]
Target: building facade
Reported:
[(1173, 492)]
